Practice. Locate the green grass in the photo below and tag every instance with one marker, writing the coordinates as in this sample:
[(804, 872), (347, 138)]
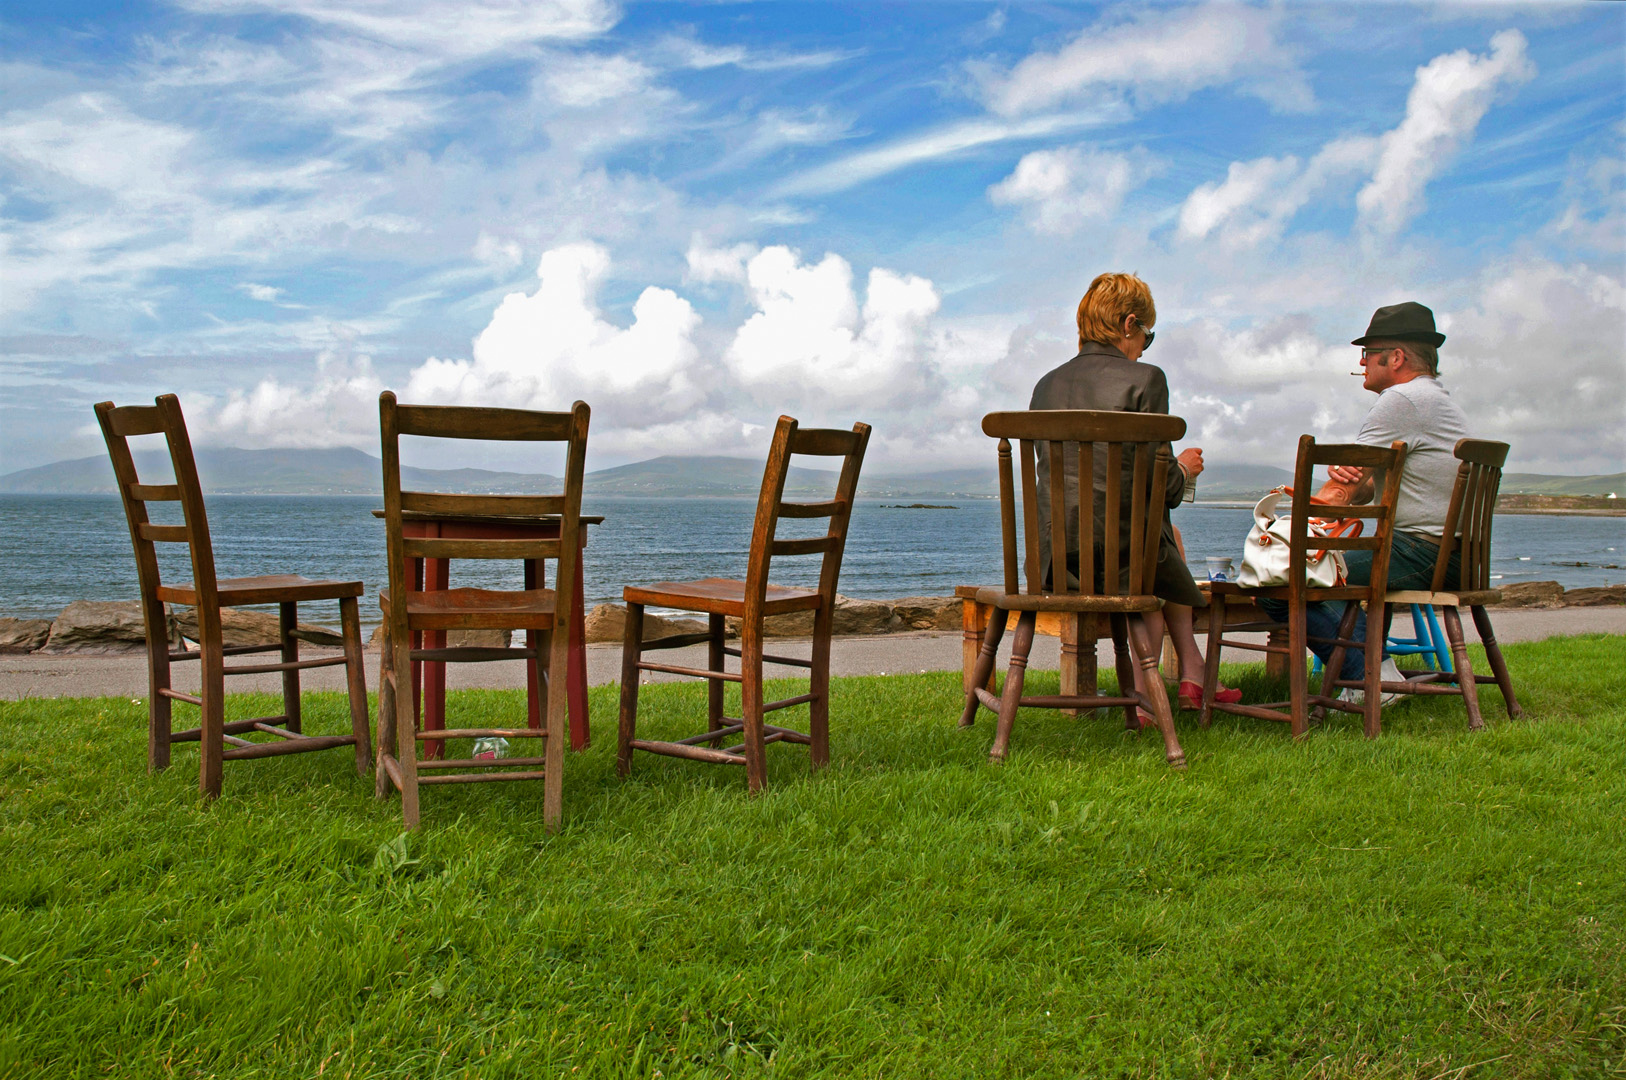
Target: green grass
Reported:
[(1433, 904)]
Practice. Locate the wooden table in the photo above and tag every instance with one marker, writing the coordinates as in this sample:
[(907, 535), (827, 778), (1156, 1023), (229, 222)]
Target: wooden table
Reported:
[(429, 677), (1079, 635)]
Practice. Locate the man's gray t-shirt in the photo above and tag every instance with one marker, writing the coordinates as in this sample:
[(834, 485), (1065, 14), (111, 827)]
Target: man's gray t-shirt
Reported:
[(1421, 414)]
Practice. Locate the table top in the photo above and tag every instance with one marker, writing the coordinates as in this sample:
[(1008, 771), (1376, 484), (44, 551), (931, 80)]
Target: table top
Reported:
[(490, 519)]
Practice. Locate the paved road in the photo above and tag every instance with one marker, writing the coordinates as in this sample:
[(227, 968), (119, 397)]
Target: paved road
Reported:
[(126, 676)]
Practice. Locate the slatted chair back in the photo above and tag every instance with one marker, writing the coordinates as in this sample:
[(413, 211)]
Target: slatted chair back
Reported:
[(791, 440), (1385, 463), (481, 424), (121, 423), (1468, 515), (1102, 475)]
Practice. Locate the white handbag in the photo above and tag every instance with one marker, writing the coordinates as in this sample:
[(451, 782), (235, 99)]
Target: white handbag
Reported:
[(1266, 554)]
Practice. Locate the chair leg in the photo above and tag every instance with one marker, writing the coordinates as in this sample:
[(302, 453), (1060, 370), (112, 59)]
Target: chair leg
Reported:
[(1011, 700), (632, 644), (553, 675), (715, 659), (289, 619), (756, 759), (1071, 646), (818, 685), (406, 734), (1465, 673), (1298, 679), (1333, 669), (355, 677), (1125, 665), (1493, 653), (160, 720), (1376, 634), (1157, 696), (984, 669), (212, 723), (387, 688), (1211, 659)]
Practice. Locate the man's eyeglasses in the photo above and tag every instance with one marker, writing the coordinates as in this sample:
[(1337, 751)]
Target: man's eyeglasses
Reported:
[(1367, 350)]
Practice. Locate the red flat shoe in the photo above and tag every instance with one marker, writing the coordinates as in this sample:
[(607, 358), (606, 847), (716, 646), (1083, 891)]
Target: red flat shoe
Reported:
[(1191, 695)]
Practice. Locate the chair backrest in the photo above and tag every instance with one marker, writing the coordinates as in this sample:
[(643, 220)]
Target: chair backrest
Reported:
[(1386, 463), (1122, 459), (481, 424), (789, 440), (119, 425), (1468, 515)]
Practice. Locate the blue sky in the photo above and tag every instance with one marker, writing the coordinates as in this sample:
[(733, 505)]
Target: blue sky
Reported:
[(698, 216)]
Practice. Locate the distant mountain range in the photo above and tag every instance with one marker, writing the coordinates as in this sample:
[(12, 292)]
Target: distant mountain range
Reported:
[(347, 471)]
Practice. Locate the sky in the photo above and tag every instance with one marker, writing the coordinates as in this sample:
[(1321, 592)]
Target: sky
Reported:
[(698, 216)]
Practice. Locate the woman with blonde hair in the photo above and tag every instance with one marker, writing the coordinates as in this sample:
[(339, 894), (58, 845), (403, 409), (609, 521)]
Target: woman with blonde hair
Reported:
[(1115, 320)]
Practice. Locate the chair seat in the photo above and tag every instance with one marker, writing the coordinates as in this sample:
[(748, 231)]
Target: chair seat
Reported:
[(1460, 598), (999, 598), (719, 596), (477, 609), (266, 589)]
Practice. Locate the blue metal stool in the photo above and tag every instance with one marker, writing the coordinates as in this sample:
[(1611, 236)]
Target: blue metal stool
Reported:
[(1427, 641)]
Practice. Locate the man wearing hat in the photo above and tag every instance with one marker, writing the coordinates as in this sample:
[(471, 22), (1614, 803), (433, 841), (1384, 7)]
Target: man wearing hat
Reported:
[(1400, 362)]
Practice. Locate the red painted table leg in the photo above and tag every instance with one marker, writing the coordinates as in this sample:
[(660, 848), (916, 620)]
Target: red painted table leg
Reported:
[(436, 574), (576, 678), (535, 578)]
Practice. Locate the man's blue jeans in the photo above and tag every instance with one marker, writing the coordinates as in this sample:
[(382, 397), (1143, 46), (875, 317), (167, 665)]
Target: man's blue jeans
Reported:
[(1411, 566)]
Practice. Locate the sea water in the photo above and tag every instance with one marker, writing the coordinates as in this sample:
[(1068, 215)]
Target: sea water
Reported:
[(55, 549)]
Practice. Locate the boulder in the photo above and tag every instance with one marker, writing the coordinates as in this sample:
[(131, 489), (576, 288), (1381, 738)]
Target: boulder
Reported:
[(1597, 596), (466, 639), (608, 623), (239, 627), (103, 627), (851, 617), (928, 612), (1534, 594), (23, 635)]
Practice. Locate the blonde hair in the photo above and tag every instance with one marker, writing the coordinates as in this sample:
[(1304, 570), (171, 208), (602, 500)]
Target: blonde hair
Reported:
[(1107, 301)]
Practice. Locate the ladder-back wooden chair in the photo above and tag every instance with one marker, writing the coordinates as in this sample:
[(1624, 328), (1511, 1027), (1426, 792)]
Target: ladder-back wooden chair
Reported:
[(218, 740), (1297, 593), (751, 601), (1117, 554), (541, 612), (1467, 534)]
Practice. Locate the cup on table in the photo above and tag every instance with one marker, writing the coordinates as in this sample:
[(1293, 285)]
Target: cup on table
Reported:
[(1219, 568)]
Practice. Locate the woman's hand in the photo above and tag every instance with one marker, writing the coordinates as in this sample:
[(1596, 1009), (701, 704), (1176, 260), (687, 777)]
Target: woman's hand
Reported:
[(1192, 462)]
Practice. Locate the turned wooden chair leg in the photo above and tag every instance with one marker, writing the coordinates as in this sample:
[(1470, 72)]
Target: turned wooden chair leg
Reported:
[(387, 688), (160, 713), (818, 685), (1211, 661), (984, 670), (631, 651), (355, 678), (1157, 696), (1298, 678), (1465, 672), (1071, 646), (756, 758), (288, 620), (552, 678), (1375, 638), (715, 661), (1126, 670), (1333, 669), (406, 738), (1493, 653), (1011, 700)]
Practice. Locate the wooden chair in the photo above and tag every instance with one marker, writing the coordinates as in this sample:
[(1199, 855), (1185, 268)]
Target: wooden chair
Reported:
[(751, 601), (409, 608), (218, 740), (1138, 441), (1297, 593), (1467, 530)]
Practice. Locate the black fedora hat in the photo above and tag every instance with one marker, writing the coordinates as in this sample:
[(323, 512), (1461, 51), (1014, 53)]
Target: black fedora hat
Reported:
[(1409, 321)]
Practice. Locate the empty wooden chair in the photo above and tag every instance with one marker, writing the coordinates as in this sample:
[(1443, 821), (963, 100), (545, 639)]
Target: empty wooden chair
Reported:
[(409, 608), (1467, 534), (751, 601), (1117, 556), (218, 740), (1311, 455)]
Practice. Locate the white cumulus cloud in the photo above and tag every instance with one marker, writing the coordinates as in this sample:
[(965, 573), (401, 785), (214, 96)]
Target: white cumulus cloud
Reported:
[(1061, 190)]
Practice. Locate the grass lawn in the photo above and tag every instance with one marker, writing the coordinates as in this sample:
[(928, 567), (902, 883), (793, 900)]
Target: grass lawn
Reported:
[(1433, 904)]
